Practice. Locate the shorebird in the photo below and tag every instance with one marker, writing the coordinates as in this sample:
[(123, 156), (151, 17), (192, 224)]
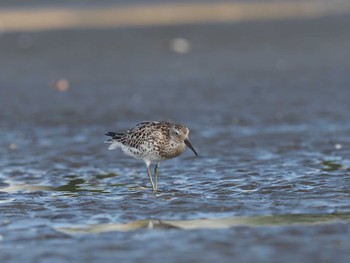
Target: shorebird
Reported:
[(152, 141)]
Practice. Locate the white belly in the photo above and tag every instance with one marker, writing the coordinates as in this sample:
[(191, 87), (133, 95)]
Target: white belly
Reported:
[(143, 153)]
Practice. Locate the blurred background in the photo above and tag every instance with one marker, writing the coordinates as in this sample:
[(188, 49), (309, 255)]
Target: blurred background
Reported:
[(263, 87)]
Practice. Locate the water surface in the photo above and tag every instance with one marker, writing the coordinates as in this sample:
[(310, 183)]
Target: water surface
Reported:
[(267, 105)]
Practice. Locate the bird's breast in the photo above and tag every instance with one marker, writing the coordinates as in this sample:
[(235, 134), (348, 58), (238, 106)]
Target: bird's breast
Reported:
[(172, 150)]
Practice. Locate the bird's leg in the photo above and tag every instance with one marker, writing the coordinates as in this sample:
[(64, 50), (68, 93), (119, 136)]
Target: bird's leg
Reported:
[(154, 189), (156, 174)]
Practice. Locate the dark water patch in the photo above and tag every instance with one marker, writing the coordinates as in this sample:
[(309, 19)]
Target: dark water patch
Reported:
[(331, 166)]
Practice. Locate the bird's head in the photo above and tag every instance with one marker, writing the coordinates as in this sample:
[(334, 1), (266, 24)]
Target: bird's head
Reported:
[(179, 133)]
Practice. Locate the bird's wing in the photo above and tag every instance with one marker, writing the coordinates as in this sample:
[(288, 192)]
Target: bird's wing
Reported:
[(143, 124)]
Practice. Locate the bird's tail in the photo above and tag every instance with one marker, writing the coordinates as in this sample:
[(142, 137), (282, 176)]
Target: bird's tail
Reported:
[(114, 141)]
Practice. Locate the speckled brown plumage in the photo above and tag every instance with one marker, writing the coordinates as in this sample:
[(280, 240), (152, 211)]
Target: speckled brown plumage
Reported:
[(152, 141)]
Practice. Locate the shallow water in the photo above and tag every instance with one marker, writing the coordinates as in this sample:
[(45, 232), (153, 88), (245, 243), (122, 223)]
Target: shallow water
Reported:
[(267, 105)]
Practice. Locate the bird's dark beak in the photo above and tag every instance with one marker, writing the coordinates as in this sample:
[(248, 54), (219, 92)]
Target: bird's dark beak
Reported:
[(187, 142)]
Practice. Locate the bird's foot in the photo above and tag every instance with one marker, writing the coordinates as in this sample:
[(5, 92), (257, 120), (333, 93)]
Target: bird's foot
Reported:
[(156, 191)]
